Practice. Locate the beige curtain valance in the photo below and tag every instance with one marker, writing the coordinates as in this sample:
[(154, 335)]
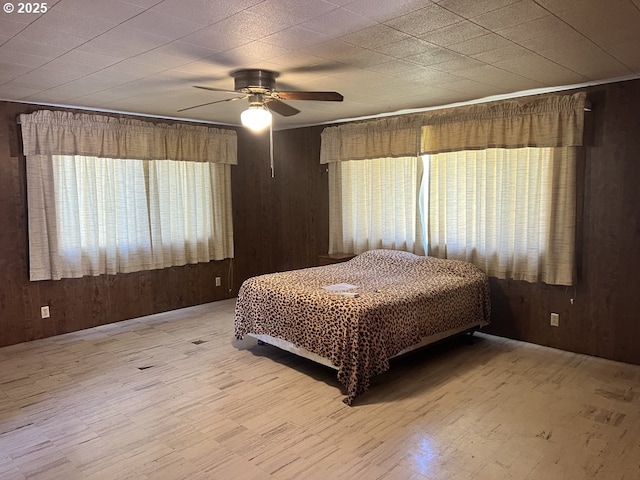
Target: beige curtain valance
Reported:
[(64, 133), (546, 121), (380, 138)]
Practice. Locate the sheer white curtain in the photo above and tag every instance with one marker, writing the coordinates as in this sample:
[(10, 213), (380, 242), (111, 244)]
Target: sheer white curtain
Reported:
[(190, 212), (509, 211), (115, 212), (96, 216), (374, 204), (90, 216)]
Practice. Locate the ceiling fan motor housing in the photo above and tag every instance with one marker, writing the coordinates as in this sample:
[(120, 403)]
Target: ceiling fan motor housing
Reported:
[(254, 80)]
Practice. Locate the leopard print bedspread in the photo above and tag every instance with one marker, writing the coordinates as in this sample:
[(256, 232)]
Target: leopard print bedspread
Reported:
[(402, 298)]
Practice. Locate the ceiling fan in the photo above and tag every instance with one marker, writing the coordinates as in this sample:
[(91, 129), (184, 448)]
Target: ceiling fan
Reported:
[(259, 86)]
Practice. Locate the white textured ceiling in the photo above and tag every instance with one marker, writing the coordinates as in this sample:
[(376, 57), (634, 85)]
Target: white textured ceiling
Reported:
[(144, 56)]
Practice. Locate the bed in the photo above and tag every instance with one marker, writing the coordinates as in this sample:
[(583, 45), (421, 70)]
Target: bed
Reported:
[(357, 315)]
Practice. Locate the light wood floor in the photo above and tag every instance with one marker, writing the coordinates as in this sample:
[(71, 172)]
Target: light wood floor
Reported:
[(174, 396)]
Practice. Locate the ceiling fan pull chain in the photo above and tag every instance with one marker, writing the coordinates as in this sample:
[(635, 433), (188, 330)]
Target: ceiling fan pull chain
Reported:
[(271, 148)]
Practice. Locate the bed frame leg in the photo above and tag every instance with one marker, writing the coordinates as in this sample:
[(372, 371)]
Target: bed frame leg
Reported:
[(469, 337)]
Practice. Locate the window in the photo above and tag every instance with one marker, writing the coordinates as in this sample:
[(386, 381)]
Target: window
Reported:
[(102, 219), (374, 204), (509, 211), (498, 189), (120, 216), (118, 195)]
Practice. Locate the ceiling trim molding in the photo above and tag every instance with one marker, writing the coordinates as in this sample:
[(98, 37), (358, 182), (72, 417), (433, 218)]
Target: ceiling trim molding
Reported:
[(494, 98)]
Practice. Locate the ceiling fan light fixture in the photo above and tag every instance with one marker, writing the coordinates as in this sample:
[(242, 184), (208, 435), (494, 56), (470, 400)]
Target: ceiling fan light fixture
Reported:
[(256, 118)]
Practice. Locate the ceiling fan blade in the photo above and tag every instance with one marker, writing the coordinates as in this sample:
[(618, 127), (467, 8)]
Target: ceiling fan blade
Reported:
[(328, 66), (212, 89), (320, 96), (211, 103), (280, 108)]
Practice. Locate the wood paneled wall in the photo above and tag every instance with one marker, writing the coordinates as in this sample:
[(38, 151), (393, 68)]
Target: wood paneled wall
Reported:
[(281, 223), (76, 304), (604, 317)]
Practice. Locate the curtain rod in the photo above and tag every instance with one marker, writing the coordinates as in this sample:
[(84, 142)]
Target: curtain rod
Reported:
[(587, 108)]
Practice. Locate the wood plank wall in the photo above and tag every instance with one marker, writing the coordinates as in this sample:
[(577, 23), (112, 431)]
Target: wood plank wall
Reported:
[(76, 304), (604, 318), (281, 223)]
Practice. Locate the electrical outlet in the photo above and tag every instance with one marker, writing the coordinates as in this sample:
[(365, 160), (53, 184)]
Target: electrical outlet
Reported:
[(218, 281), (555, 320), (44, 312)]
